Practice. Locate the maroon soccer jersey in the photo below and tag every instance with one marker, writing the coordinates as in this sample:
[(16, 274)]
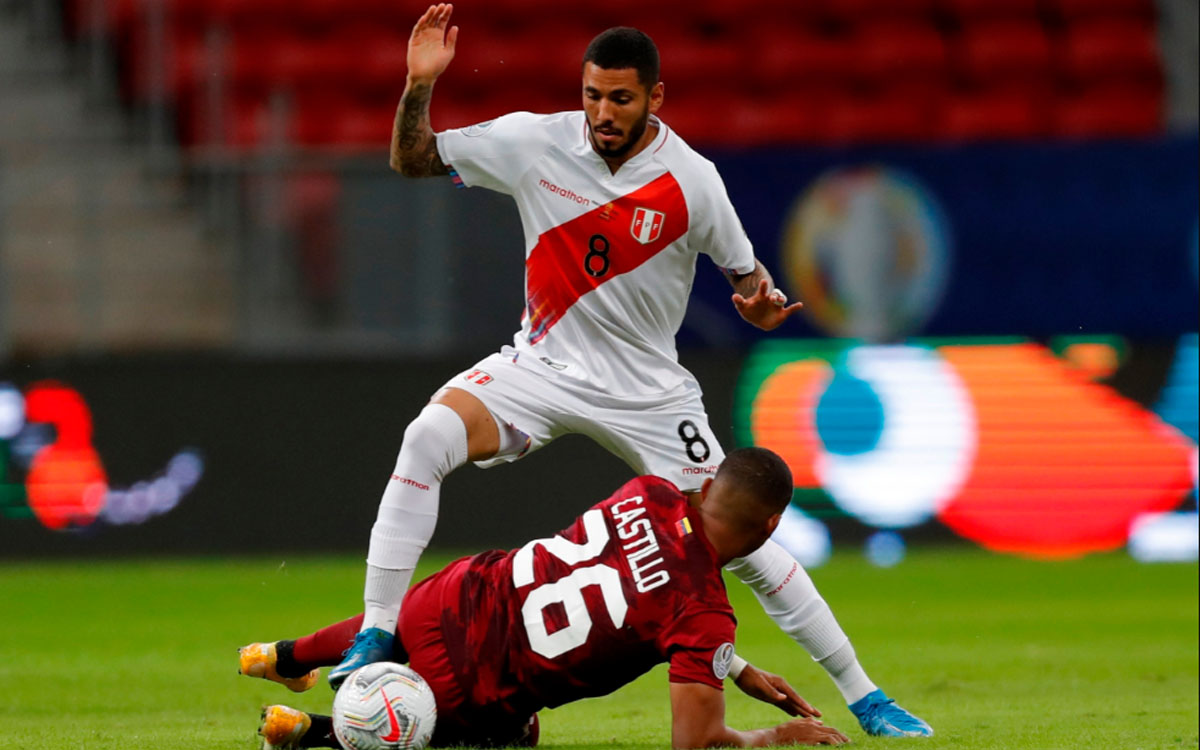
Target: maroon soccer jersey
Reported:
[(632, 583)]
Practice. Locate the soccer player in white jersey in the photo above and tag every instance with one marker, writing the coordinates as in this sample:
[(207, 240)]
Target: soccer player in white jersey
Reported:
[(615, 207)]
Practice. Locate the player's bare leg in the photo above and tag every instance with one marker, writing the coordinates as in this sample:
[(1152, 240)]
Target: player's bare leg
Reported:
[(455, 427), (791, 599)]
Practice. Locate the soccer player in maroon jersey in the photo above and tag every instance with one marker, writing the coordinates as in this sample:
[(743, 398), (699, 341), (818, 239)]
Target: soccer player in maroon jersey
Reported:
[(633, 582), (616, 208)]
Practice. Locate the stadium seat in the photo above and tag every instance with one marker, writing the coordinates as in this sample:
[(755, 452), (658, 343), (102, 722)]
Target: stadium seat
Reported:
[(380, 60), (1074, 11), (1003, 53), (886, 119), (1003, 115), (691, 63), (792, 57), (538, 53), (363, 127), (886, 55), (1108, 113), (870, 11), (774, 121), (699, 124), (1110, 51), (969, 11)]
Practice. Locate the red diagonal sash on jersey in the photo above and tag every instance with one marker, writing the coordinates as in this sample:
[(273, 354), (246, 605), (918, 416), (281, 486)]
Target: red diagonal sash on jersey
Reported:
[(577, 256)]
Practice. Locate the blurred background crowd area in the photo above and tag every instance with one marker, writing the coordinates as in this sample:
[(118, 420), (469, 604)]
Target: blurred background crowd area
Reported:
[(199, 173), (829, 71), (216, 298)]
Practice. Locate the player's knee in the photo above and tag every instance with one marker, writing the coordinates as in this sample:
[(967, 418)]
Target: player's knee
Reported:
[(436, 440)]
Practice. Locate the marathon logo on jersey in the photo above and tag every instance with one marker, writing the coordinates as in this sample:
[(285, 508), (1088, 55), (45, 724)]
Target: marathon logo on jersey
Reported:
[(690, 470), (567, 193), (647, 225), (641, 548)]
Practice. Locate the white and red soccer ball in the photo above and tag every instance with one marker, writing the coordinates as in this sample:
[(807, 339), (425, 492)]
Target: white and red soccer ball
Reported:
[(384, 706)]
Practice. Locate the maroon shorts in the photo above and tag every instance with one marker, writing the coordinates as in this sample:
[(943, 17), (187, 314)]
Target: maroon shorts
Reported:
[(461, 719)]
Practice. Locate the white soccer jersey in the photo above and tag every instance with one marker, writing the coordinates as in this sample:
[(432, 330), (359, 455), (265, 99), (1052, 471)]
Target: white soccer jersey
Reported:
[(609, 259)]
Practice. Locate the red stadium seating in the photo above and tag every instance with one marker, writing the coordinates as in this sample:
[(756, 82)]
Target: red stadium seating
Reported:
[(855, 11), (1108, 51), (887, 119), (1073, 11), (1003, 115), (887, 54), (1004, 53), (787, 58), (1109, 113), (775, 121), (820, 71), (968, 11), (695, 64)]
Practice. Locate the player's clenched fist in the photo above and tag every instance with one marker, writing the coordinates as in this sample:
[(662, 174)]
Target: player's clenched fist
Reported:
[(809, 732), (431, 47)]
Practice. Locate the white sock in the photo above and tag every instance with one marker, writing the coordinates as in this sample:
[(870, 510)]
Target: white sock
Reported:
[(793, 602), (435, 444)]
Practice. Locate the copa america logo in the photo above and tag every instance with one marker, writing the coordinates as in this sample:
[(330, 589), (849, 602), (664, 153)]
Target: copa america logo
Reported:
[(866, 248)]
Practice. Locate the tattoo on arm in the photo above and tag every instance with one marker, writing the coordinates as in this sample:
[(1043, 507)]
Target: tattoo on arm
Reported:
[(414, 146)]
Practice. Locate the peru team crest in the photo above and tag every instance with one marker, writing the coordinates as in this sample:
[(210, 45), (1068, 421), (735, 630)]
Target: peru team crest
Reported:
[(647, 225)]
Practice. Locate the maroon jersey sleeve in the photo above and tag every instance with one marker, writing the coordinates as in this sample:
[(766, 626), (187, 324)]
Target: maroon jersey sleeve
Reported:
[(700, 647)]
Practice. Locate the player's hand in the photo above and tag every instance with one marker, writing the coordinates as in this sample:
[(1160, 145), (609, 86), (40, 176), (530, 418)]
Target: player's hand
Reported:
[(773, 689), (808, 732), (767, 309), (431, 47)]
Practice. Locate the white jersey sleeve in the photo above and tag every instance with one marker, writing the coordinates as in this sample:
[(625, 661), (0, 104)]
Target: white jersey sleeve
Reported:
[(717, 231), (493, 154)]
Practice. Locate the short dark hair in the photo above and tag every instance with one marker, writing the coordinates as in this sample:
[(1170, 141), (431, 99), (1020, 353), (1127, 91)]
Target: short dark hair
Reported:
[(625, 47), (761, 474)]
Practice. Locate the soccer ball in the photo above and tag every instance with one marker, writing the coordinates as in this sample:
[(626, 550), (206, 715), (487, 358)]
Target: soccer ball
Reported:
[(384, 706)]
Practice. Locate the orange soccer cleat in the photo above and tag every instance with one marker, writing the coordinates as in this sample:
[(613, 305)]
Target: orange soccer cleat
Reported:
[(258, 660), (282, 727)]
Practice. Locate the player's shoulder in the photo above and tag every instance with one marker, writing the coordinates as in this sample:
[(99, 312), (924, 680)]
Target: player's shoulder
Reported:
[(679, 154), (693, 170), (531, 127)]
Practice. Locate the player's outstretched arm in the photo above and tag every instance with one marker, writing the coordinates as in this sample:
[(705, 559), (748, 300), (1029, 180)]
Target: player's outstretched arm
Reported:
[(698, 720), (771, 688), (430, 50), (758, 301)]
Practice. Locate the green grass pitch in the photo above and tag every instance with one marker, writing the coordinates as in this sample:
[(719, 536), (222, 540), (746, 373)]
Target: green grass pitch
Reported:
[(994, 652)]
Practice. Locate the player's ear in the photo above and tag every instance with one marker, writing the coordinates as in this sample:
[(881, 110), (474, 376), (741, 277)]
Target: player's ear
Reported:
[(773, 523), (656, 97), (704, 488)]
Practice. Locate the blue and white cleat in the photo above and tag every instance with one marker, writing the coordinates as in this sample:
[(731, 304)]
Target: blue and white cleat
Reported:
[(370, 646), (879, 716)]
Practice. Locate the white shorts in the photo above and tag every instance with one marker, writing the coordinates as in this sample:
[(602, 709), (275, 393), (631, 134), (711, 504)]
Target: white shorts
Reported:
[(664, 435)]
